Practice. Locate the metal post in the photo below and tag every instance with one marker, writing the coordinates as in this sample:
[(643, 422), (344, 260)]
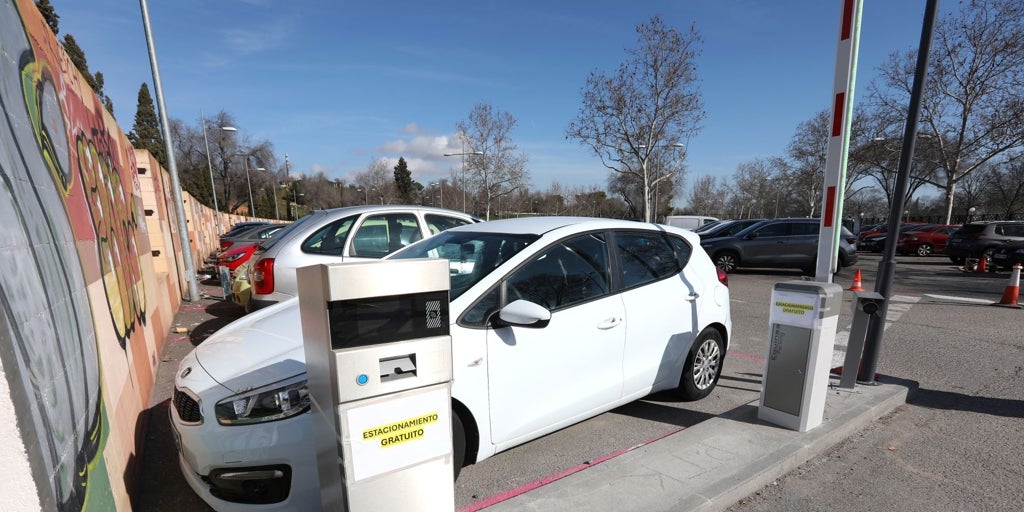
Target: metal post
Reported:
[(209, 165), (252, 205), (887, 267), (186, 244)]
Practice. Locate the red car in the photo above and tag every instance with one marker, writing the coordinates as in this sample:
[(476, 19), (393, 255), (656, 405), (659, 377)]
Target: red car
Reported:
[(926, 241), (236, 256)]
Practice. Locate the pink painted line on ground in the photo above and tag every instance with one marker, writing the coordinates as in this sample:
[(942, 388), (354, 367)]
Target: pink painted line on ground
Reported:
[(512, 493), (748, 357)]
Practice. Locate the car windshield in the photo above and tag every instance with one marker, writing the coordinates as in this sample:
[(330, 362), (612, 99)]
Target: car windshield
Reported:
[(471, 256), (280, 234), (712, 225)]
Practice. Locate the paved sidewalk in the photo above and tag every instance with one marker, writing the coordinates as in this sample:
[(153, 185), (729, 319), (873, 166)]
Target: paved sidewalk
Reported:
[(714, 464)]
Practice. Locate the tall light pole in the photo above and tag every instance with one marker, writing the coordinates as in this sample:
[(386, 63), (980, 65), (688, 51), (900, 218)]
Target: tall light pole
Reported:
[(209, 165), (463, 155)]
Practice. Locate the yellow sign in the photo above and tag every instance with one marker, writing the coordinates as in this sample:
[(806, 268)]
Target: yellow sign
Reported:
[(400, 431)]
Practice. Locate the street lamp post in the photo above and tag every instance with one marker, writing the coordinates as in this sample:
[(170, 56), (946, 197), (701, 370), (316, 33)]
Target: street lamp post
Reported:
[(209, 165), (463, 155)]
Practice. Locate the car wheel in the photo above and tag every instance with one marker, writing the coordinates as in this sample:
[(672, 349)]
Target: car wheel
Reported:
[(924, 250), (727, 261), (703, 366), (987, 255), (458, 445)]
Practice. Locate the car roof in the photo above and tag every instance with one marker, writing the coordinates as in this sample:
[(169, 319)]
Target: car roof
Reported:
[(359, 209), (542, 225)]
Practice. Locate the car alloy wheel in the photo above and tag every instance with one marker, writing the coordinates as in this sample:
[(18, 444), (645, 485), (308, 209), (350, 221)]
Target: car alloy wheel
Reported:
[(924, 250), (726, 261), (703, 366)]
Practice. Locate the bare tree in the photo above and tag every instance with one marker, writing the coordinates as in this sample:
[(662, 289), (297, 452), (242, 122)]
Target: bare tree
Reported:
[(377, 183), (706, 197), (501, 169), (1005, 187), (651, 104), (973, 105)]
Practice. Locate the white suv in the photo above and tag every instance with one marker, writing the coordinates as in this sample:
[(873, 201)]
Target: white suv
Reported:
[(351, 233)]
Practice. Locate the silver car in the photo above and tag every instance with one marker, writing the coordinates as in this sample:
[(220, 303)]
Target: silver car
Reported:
[(351, 233)]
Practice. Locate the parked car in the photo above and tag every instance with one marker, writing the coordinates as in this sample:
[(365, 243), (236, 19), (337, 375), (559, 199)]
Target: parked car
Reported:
[(236, 256), (879, 229), (980, 239), (876, 242), (238, 227), (351, 233), (689, 221), (251, 234), (638, 308), (927, 241), (1007, 255), (725, 228), (776, 243)]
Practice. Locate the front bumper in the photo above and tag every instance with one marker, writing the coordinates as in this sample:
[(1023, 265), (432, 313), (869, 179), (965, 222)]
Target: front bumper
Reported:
[(264, 466)]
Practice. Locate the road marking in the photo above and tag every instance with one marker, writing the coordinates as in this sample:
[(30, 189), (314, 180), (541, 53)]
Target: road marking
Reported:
[(959, 299), (898, 305)]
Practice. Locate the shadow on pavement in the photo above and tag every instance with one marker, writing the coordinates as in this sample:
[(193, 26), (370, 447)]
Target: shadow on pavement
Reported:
[(946, 400)]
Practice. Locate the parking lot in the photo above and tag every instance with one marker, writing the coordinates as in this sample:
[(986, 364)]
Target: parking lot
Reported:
[(919, 281)]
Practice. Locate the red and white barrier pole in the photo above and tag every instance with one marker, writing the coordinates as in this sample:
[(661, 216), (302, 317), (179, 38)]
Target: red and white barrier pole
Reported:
[(839, 140)]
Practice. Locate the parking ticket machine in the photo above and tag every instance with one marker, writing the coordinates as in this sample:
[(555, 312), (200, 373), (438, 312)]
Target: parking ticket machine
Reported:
[(803, 321), (378, 356)]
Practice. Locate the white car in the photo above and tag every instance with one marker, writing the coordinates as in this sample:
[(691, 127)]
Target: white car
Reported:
[(352, 233), (619, 310)]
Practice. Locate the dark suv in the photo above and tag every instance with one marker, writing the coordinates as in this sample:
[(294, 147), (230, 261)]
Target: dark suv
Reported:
[(980, 239), (776, 243)]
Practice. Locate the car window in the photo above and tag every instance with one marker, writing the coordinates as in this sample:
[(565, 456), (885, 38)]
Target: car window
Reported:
[(1013, 230), (805, 228), (776, 229), (329, 239), (380, 235), (683, 250), (646, 257), (438, 223), (569, 273)]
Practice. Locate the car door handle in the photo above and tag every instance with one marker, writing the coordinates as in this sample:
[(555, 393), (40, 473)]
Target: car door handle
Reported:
[(692, 297), (609, 323)]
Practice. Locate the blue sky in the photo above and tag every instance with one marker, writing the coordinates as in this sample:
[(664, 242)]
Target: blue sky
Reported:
[(335, 85)]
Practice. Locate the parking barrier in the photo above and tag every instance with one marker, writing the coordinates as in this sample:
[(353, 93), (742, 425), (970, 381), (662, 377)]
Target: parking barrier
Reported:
[(1011, 296), (856, 287)]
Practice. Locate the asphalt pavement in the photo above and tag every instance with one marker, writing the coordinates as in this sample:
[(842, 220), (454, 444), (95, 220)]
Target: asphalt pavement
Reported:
[(945, 435)]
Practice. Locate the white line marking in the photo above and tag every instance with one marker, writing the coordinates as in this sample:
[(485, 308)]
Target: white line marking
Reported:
[(959, 299)]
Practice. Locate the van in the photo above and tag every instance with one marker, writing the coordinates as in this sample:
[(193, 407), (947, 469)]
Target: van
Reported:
[(690, 222)]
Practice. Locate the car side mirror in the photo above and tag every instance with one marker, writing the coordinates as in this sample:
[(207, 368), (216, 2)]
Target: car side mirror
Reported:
[(523, 313)]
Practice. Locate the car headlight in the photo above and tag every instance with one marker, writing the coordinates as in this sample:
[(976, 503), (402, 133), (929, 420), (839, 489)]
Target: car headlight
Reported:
[(271, 403), (233, 257)]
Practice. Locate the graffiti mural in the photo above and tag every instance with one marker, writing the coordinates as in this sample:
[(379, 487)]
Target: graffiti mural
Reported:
[(69, 223)]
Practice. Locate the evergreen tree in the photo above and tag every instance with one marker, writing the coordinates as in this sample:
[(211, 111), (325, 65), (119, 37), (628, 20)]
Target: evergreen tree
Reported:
[(49, 14), (403, 181), (77, 56), (145, 132)]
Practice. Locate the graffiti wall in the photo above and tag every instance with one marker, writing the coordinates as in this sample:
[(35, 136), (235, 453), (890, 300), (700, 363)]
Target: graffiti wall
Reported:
[(83, 313)]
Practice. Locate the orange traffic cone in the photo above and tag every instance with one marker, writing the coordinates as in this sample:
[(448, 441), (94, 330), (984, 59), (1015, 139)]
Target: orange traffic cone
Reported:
[(1012, 294), (981, 264), (856, 282)]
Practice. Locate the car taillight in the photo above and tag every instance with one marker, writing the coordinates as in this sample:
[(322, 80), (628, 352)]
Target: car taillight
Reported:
[(722, 276), (263, 276)]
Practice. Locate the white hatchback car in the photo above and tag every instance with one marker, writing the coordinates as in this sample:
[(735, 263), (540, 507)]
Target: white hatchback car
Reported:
[(635, 308), (352, 233)]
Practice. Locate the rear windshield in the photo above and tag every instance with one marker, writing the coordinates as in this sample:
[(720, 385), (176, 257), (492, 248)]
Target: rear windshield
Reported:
[(280, 235)]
